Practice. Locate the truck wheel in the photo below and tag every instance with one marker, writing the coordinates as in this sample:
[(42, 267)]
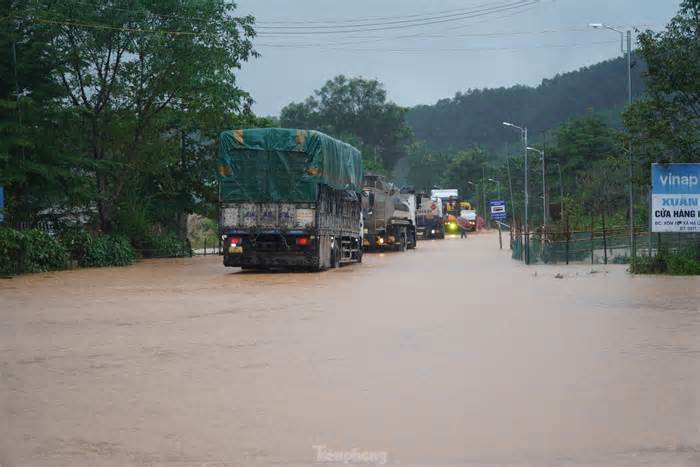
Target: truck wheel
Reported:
[(412, 244), (335, 257)]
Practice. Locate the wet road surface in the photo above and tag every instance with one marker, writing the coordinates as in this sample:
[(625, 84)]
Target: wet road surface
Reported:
[(452, 354)]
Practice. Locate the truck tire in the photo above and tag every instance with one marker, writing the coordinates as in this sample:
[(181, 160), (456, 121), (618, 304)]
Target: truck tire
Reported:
[(412, 244), (335, 256)]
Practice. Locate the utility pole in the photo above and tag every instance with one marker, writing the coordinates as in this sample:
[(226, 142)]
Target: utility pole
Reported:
[(510, 187), (544, 196), (523, 132), (561, 193), (498, 187), (633, 244), (483, 193)]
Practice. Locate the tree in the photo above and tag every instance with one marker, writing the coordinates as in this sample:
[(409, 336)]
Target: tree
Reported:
[(665, 123), (38, 165), (138, 74), (355, 108), (464, 167), (474, 117)]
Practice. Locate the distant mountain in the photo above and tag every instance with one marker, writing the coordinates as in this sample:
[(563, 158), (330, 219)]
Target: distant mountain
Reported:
[(476, 116)]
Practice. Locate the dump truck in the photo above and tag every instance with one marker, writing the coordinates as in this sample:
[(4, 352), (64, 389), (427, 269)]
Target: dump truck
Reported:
[(289, 199), (429, 217), (390, 215)]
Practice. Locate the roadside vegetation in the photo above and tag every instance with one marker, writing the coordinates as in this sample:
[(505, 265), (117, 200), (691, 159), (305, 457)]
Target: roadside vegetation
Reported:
[(109, 116)]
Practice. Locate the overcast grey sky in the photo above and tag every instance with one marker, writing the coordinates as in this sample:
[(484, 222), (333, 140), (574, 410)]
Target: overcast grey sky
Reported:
[(470, 43)]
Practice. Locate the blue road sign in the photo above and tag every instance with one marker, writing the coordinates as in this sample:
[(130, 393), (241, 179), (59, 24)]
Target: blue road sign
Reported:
[(498, 210), (2, 203), (675, 198)]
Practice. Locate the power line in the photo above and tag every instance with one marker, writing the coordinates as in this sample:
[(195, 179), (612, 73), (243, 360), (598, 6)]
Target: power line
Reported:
[(453, 18), (374, 39), (443, 49), (419, 19), (373, 18)]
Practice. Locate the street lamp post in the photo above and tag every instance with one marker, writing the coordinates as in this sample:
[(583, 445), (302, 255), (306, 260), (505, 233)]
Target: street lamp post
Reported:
[(510, 186), (476, 188), (544, 188), (498, 186), (633, 246), (523, 133), (483, 196), (561, 193)]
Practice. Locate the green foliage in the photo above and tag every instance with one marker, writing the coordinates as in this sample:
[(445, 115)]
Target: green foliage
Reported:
[(30, 251), (96, 250), (203, 233), (128, 111), (165, 245), (105, 251), (683, 263), (475, 117), (357, 111), (665, 124)]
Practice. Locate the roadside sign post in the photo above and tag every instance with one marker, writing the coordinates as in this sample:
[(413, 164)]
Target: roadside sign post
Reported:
[(675, 198), (498, 214)]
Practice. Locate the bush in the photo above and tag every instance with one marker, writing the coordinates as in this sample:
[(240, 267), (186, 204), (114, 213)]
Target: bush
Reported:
[(10, 251), (97, 250), (166, 245), (683, 263), (106, 250), (679, 263), (42, 252), (30, 251), (647, 265)]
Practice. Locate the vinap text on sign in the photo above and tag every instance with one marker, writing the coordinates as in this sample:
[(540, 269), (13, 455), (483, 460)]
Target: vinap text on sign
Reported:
[(675, 198)]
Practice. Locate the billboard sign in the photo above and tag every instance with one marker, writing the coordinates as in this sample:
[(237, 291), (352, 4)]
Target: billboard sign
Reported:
[(498, 210), (444, 194), (675, 198)]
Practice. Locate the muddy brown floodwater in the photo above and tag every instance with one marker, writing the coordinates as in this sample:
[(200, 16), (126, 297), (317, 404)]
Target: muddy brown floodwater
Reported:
[(452, 354)]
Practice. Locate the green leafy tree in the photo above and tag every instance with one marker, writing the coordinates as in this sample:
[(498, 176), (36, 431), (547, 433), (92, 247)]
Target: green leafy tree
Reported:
[(138, 74), (355, 108), (465, 167), (665, 123), (38, 164)]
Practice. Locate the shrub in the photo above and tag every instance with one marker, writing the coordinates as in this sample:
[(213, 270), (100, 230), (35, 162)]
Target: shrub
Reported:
[(10, 251), (683, 263), (648, 265), (30, 251), (166, 245), (42, 252), (105, 250)]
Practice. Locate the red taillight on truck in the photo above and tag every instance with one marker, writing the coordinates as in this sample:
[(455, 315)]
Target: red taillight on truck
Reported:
[(235, 241), (303, 241)]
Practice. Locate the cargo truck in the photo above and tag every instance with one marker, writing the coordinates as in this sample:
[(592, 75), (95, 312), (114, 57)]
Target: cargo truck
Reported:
[(289, 199), (429, 217), (390, 215)]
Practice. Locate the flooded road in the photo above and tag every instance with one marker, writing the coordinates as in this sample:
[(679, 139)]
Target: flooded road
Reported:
[(452, 354)]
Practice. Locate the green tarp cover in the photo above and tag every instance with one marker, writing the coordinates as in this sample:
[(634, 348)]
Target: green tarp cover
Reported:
[(276, 164)]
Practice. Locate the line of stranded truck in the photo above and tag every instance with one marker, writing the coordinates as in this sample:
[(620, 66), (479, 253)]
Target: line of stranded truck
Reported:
[(289, 198), (390, 220)]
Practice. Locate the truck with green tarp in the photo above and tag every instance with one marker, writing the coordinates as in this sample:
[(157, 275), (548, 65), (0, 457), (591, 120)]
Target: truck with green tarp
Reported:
[(289, 198)]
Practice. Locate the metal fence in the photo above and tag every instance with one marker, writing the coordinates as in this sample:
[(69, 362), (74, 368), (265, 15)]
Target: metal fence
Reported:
[(595, 246)]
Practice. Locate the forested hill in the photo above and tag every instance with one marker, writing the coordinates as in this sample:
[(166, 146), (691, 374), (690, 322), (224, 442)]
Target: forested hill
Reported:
[(476, 116)]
